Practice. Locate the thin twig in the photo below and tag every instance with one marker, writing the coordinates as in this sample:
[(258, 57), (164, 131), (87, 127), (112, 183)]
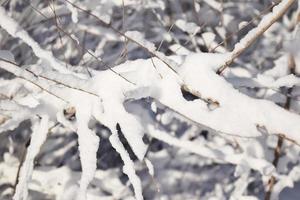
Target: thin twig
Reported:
[(272, 180), (57, 21), (123, 26), (122, 34), (77, 43), (32, 81)]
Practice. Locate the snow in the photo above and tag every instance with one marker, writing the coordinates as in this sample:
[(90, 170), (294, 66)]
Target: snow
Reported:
[(137, 36), (8, 24), (203, 66), (263, 25), (209, 38), (238, 159), (74, 12), (38, 137), (243, 114), (128, 168), (214, 4), (190, 28), (274, 78), (113, 94), (88, 145), (179, 50), (150, 167), (192, 130), (11, 121)]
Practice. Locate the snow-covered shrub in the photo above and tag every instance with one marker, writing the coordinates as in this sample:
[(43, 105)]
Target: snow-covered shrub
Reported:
[(149, 99)]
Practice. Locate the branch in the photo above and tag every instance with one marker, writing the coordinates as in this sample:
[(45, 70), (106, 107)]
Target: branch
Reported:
[(13, 28), (278, 149), (77, 43), (25, 75), (267, 21), (151, 52)]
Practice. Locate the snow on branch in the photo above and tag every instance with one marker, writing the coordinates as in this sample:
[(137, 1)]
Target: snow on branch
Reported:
[(13, 28), (265, 23), (187, 87), (38, 137), (88, 147), (260, 165), (128, 168), (245, 116)]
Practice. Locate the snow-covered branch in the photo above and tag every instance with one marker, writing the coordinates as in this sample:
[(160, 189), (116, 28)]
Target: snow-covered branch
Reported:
[(110, 77), (267, 21)]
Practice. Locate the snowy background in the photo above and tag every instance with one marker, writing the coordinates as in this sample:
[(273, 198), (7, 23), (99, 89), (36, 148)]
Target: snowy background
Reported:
[(149, 99)]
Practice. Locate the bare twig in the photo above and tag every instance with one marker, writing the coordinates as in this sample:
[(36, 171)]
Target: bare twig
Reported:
[(57, 21)]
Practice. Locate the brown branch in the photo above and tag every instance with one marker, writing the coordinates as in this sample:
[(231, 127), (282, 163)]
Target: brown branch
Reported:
[(278, 149), (272, 180)]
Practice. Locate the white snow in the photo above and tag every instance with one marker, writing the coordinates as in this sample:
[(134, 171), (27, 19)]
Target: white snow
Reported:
[(243, 114), (38, 137), (88, 145), (12, 27), (128, 168), (188, 27), (260, 165), (137, 36), (263, 25), (145, 97), (150, 167)]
